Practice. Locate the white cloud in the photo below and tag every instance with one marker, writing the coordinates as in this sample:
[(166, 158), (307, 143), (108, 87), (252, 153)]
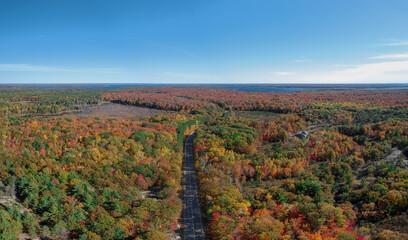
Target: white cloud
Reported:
[(302, 60), (30, 68), (376, 68), (284, 73), (394, 43), (391, 56), (402, 43), (343, 65), (395, 71), (40, 68), (102, 70), (382, 72)]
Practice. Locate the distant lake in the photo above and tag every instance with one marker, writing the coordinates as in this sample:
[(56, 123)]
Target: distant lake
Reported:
[(306, 87), (239, 87)]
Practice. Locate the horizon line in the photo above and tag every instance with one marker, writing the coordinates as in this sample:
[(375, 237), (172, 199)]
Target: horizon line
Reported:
[(124, 83)]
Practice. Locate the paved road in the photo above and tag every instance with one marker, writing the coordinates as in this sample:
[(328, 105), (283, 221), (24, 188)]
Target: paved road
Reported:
[(193, 226)]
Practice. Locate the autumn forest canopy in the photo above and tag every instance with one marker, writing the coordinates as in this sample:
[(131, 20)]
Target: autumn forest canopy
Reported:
[(108, 163)]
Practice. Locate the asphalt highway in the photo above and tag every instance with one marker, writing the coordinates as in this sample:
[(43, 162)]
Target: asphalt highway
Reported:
[(193, 226)]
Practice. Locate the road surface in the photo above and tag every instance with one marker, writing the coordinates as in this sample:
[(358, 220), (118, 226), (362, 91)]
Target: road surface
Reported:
[(193, 226)]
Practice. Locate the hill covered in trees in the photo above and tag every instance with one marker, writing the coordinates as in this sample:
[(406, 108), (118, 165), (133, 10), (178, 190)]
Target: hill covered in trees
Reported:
[(302, 165)]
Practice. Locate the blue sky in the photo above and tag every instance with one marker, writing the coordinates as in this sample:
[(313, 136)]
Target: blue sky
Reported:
[(213, 41)]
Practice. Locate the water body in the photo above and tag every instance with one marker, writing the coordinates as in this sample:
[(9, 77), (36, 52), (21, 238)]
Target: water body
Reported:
[(239, 87), (308, 87)]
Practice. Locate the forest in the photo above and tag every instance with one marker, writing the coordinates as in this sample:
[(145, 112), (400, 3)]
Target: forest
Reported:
[(321, 164)]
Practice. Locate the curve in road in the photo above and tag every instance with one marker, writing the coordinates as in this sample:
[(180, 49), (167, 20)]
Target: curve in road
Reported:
[(193, 226)]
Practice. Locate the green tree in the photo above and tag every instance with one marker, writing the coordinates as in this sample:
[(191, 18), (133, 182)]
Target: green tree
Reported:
[(345, 236), (139, 136)]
